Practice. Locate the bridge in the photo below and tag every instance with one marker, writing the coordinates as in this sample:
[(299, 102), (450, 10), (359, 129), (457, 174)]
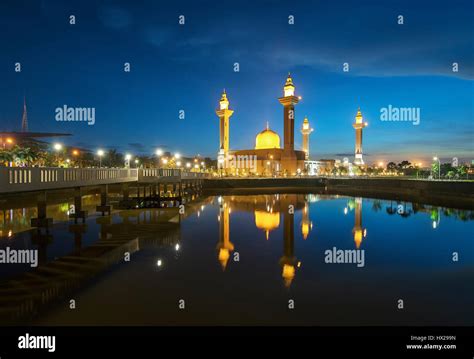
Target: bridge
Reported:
[(27, 179), (155, 183)]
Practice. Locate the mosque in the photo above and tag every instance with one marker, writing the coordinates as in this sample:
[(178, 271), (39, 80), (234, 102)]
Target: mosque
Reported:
[(268, 158)]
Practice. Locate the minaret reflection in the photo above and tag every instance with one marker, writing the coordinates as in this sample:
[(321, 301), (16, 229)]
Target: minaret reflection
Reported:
[(268, 210), (306, 224), (358, 231), (225, 246), (288, 260)]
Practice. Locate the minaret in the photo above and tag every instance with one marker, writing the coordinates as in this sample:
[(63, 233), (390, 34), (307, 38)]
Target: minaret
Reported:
[(289, 100), (306, 131), (224, 113), (24, 119), (358, 125)]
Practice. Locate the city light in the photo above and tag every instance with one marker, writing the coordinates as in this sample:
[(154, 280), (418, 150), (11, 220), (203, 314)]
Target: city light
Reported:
[(159, 152), (159, 263), (178, 163), (100, 153), (178, 156), (75, 153), (165, 161), (128, 156), (58, 146), (188, 165)]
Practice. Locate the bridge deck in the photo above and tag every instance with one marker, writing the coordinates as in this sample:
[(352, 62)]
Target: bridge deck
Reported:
[(25, 179)]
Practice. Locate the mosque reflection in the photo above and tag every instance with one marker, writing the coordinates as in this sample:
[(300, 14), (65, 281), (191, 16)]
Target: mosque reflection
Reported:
[(269, 212)]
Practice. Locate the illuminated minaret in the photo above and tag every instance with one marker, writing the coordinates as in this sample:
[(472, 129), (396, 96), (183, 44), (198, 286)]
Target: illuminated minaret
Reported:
[(224, 113), (358, 125), (358, 232), (225, 246), (289, 100), (306, 131)]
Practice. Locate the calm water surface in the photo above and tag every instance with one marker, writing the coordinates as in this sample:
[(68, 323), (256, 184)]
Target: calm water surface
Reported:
[(242, 259)]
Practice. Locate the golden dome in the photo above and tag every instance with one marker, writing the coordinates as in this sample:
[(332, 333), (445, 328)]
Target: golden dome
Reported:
[(267, 139)]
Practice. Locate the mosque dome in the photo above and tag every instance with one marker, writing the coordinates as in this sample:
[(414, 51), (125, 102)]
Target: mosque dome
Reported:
[(268, 221), (267, 139)]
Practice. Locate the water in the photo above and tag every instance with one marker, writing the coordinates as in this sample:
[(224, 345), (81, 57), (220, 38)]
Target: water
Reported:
[(246, 260)]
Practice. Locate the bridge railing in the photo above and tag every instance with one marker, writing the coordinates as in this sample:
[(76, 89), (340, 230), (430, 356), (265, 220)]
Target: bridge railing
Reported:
[(168, 173), (21, 179)]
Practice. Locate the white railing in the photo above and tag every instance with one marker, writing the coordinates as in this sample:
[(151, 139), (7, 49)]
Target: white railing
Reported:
[(21, 179), (172, 173), (18, 179)]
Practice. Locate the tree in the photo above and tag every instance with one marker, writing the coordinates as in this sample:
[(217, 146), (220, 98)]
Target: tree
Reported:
[(391, 166), (404, 165)]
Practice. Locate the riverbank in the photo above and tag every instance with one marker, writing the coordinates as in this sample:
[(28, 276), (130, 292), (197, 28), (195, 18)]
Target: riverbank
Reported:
[(456, 194)]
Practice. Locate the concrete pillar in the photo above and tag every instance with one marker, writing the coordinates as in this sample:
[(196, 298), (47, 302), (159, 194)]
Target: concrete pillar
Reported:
[(78, 212), (41, 221), (104, 207)]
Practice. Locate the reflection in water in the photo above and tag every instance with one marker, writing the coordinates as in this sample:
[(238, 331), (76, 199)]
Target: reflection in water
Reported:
[(16, 220), (267, 210), (167, 245), (225, 246)]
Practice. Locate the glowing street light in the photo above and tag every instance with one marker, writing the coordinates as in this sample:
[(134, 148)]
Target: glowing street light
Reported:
[(159, 152), (57, 147), (100, 153), (188, 165), (178, 156)]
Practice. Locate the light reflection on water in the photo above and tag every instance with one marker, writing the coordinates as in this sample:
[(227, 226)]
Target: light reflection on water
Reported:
[(239, 259)]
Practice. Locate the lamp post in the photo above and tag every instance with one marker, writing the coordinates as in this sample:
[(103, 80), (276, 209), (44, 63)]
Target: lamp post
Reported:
[(439, 166), (159, 153), (57, 148), (136, 162), (128, 157), (100, 153)]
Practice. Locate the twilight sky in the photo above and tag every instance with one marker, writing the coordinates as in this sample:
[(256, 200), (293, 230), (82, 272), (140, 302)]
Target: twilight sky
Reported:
[(185, 67)]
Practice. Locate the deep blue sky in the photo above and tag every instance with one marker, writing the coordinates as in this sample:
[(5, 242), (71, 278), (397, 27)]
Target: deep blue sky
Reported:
[(186, 67)]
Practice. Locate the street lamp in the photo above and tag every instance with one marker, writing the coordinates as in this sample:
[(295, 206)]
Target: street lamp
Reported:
[(136, 162), (178, 156), (128, 157), (439, 166), (57, 147), (159, 153), (100, 153)]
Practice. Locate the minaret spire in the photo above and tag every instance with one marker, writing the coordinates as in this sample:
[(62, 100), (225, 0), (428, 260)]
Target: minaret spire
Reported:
[(24, 119)]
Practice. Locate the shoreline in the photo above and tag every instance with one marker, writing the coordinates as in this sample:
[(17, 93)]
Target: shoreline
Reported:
[(446, 194)]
